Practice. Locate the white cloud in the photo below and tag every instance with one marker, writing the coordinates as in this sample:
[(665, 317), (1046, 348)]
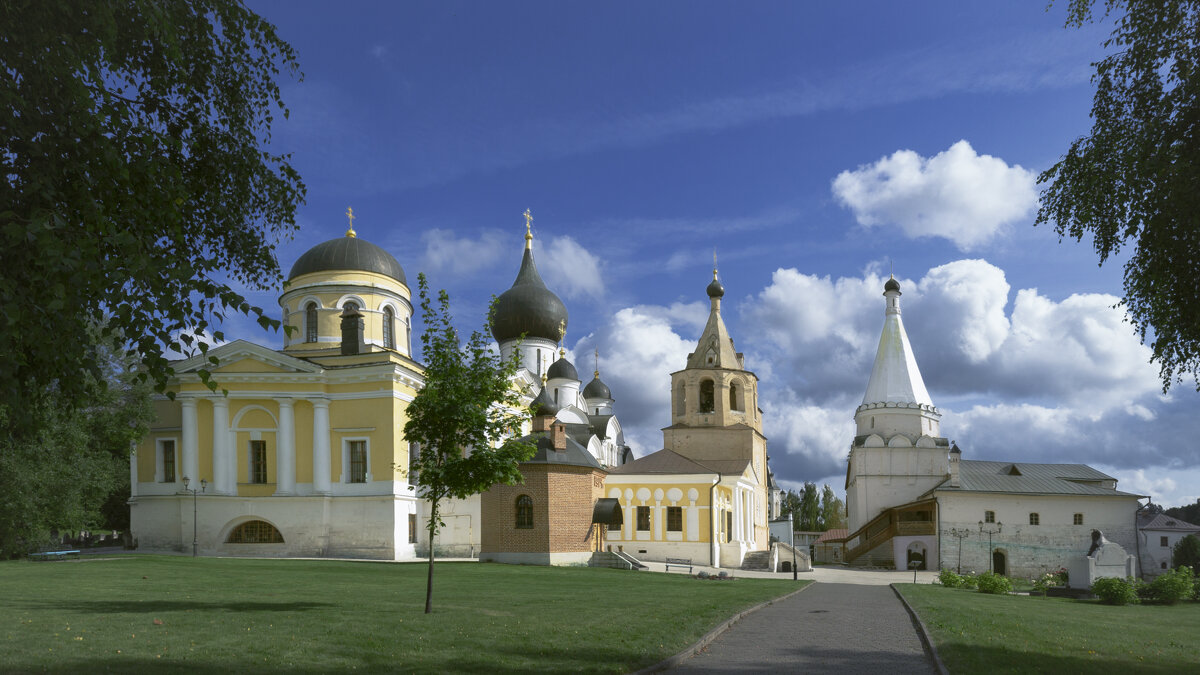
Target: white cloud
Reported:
[(956, 194), (571, 270), (446, 252)]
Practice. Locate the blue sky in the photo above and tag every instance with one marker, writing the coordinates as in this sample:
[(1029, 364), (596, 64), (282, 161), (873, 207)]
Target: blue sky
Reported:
[(813, 145)]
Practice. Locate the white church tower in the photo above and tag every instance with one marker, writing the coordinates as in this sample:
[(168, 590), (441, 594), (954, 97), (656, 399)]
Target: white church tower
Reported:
[(898, 453)]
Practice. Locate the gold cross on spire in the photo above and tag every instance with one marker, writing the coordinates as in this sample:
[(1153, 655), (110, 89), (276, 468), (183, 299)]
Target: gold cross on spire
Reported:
[(528, 230), (597, 362), (562, 333), (714, 263), (350, 215)]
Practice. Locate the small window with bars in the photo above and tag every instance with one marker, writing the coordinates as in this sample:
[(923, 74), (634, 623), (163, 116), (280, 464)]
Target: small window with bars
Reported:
[(989, 516), (258, 461), (168, 461), (524, 512), (1078, 518), (1035, 519), (358, 461)]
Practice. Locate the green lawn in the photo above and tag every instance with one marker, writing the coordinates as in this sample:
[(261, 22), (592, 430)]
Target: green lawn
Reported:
[(975, 632), (178, 614)]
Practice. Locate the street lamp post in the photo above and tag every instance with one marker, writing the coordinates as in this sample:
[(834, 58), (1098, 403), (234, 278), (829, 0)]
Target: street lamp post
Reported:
[(792, 530), (203, 485), (990, 532), (960, 535)]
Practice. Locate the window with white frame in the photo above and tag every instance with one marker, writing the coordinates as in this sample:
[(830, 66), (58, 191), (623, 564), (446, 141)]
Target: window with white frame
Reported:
[(1078, 518), (989, 516), (310, 322), (389, 328), (165, 463), (356, 460), (258, 461)]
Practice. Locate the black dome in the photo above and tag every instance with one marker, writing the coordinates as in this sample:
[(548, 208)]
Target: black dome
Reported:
[(348, 253), (715, 289), (528, 307), (543, 404), (596, 389), (891, 285), (562, 368)]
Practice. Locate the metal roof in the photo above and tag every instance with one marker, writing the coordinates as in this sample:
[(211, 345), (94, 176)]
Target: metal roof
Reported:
[(348, 253), (574, 454), (1161, 521), (669, 461), (528, 308), (1024, 478)]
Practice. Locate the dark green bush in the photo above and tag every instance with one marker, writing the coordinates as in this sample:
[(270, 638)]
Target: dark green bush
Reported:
[(995, 584), (1173, 586), (1186, 552), (1115, 591), (949, 579)]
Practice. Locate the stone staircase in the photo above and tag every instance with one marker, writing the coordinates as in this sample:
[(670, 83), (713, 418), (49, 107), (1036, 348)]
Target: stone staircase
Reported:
[(757, 560)]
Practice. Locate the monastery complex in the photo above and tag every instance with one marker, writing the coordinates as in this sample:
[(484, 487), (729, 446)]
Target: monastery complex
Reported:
[(305, 454)]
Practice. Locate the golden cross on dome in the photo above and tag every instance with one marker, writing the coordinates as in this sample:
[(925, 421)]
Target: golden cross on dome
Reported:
[(562, 333), (714, 263), (597, 362), (528, 231), (350, 215)]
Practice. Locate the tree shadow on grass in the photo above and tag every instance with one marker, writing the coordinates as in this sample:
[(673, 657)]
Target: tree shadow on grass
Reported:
[(143, 606)]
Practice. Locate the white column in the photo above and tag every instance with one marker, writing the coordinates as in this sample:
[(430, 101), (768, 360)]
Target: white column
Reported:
[(321, 446), (285, 449), (220, 452), (191, 439)]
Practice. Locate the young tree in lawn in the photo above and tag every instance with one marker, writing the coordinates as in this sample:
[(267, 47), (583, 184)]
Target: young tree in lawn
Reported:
[(468, 403)]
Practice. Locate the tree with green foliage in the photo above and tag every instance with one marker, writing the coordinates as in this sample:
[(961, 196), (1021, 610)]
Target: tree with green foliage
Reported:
[(833, 510), (1186, 552), (809, 516), (137, 192), (789, 503), (74, 473), (1189, 513), (466, 418), (1135, 180)]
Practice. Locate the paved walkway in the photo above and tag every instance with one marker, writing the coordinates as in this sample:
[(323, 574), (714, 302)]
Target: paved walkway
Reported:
[(830, 627)]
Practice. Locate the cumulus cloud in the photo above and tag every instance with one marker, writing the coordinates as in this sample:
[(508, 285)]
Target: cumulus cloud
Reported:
[(570, 269), (446, 252), (957, 194), (639, 349)]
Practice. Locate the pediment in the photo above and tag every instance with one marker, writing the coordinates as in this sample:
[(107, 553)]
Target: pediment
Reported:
[(241, 356)]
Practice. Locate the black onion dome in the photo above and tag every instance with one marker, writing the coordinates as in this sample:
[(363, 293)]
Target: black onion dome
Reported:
[(543, 404), (348, 253), (715, 289), (528, 308), (596, 389), (891, 285), (562, 368)]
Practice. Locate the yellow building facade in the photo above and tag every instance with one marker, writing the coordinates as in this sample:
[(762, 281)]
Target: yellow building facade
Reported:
[(301, 450), (706, 494)]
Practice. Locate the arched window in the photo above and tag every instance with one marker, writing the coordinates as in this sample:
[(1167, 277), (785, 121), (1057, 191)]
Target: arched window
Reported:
[(255, 532), (681, 400), (737, 397), (707, 396), (350, 305), (1035, 519), (389, 328), (524, 512), (310, 322)]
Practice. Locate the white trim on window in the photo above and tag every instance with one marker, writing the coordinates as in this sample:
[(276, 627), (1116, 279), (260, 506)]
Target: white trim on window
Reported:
[(346, 440)]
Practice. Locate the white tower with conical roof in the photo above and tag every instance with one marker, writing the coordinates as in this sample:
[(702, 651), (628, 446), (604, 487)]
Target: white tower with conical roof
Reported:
[(898, 453)]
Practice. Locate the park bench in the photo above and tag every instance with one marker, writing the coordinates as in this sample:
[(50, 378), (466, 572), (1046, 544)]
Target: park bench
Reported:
[(680, 563), (52, 555)]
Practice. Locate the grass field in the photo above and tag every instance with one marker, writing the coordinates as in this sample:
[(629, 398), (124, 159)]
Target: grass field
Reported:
[(975, 632), (176, 614)]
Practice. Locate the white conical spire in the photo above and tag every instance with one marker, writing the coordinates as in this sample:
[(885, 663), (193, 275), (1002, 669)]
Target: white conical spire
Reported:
[(895, 377)]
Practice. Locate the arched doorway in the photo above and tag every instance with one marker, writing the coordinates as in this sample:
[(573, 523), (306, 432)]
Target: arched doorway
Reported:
[(916, 554), (998, 562)]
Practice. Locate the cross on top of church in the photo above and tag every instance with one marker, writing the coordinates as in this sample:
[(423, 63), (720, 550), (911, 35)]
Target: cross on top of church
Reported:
[(714, 263), (562, 334), (528, 230), (350, 215), (597, 362)]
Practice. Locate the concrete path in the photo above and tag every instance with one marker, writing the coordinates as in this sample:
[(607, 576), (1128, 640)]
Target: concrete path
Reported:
[(830, 627)]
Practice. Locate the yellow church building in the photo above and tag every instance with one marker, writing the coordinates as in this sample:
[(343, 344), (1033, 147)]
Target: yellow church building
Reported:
[(305, 454)]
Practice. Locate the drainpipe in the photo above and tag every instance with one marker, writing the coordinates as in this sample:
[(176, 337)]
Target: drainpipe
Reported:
[(1137, 535), (937, 522)]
